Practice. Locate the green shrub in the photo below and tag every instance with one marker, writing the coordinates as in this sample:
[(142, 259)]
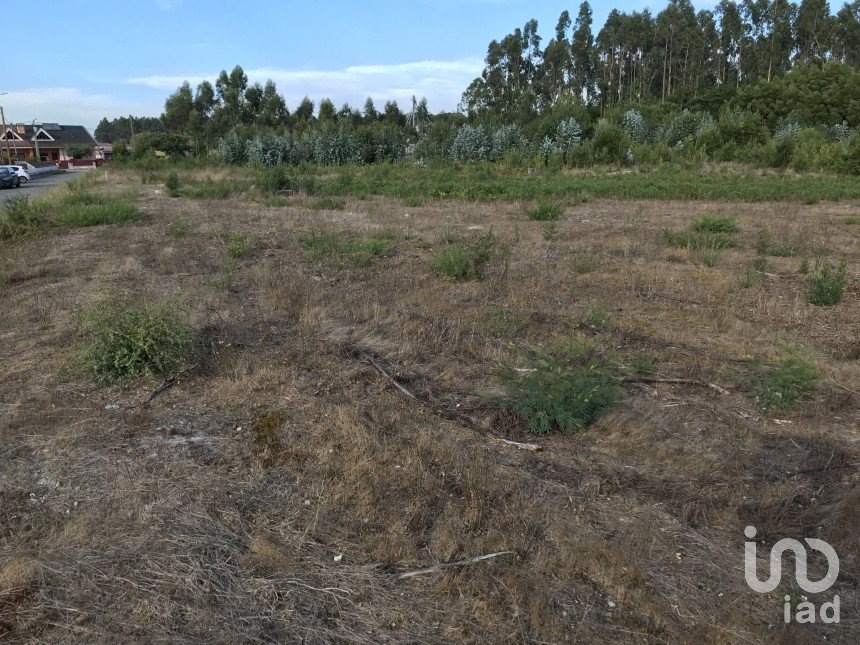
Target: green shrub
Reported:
[(782, 384), (715, 224), (751, 276), (566, 387), (545, 212), (172, 184), (709, 256), (238, 246), (825, 286), (124, 338), (465, 259), (610, 144)]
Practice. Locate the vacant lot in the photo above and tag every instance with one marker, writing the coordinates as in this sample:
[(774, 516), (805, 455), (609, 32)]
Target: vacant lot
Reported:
[(341, 420)]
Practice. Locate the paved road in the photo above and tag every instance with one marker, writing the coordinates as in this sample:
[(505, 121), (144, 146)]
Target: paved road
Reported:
[(37, 185)]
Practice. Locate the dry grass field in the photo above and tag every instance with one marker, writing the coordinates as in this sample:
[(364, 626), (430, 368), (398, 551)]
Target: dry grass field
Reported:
[(275, 489)]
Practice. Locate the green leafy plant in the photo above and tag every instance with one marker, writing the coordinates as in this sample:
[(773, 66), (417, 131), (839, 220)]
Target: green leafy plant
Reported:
[(360, 251), (715, 224), (825, 286), (465, 259), (566, 387), (781, 384), (123, 337), (545, 212), (172, 184), (238, 246)]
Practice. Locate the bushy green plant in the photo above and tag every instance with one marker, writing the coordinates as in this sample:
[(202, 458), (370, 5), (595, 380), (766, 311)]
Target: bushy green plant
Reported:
[(634, 125), (586, 263), (781, 384), (179, 228), (122, 338), (172, 184), (465, 259), (472, 144), (610, 144), (715, 224), (21, 217), (109, 211), (567, 136), (565, 387), (545, 211), (825, 286), (360, 251), (238, 245)]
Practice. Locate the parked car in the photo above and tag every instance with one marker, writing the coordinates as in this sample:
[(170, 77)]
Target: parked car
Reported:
[(21, 172), (9, 178)]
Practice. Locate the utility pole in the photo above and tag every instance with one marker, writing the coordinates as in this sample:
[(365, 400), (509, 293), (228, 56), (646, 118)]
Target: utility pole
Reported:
[(6, 136), (36, 142)]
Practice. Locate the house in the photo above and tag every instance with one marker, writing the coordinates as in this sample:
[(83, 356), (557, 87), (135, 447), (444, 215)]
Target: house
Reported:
[(43, 141)]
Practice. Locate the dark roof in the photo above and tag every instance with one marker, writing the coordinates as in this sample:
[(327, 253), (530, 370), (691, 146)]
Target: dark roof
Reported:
[(67, 135)]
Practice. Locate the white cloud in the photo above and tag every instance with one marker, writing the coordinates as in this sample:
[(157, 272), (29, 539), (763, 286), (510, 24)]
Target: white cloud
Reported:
[(70, 105), (442, 82)]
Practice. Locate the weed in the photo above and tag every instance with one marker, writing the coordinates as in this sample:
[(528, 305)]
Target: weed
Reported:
[(751, 276), (546, 212), (239, 246), (594, 316), (327, 204), (172, 184), (503, 324), (124, 338), (709, 256), (566, 387), (413, 201), (851, 220), (642, 362), (782, 384), (804, 266), (109, 211), (179, 228), (715, 224), (549, 230), (21, 217), (465, 259), (361, 251), (586, 263), (209, 189), (825, 286), (696, 241), (675, 258)]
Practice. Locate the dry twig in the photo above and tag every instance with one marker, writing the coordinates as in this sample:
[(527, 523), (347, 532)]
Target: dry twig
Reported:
[(442, 566)]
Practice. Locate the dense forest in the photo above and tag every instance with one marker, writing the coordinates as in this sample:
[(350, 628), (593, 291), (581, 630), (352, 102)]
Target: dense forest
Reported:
[(765, 82)]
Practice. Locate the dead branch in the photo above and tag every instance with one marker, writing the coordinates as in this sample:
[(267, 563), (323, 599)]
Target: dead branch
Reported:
[(447, 413), (442, 566), (169, 382), (683, 381)]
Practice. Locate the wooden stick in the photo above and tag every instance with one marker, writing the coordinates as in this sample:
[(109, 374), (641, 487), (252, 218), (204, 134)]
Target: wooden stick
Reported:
[(684, 381), (167, 383), (451, 565), (450, 414)]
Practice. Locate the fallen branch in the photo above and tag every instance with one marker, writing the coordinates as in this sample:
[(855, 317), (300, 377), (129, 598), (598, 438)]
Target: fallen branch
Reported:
[(447, 413), (169, 382), (442, 566), (682, 381)]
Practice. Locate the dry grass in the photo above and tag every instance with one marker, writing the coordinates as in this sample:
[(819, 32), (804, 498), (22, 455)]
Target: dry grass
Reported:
[(274, 494)]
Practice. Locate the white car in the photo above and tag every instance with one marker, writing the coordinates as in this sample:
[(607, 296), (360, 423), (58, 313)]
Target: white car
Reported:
[(18, 170)]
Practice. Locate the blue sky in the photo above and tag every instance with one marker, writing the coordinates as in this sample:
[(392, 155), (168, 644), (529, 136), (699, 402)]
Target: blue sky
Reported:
[(100, 58)]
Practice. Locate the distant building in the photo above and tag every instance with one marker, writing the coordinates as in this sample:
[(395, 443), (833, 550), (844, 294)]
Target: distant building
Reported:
[(44, 141)]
